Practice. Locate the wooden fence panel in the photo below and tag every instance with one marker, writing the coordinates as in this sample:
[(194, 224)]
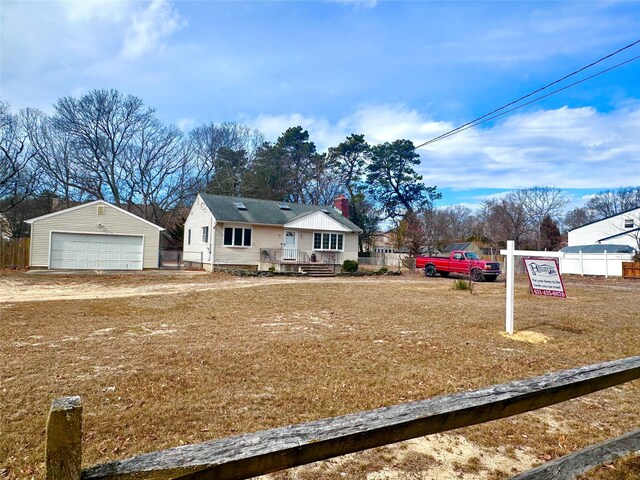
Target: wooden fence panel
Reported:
[(14, 253), (249, 455), (631, 269)]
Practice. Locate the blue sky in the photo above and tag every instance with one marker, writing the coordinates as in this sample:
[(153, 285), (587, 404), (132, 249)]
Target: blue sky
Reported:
[(386, 69)]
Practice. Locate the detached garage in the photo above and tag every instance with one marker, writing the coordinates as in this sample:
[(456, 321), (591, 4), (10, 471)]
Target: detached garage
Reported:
[(94, 236)]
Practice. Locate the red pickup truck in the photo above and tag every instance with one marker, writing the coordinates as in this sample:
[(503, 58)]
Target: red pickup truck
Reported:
[(467, 263)]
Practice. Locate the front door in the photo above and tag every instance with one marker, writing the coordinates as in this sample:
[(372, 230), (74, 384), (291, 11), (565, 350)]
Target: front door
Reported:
[(290, 250)]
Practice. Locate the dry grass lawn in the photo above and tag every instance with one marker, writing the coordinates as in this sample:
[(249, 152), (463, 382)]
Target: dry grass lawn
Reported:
[(170, 366)]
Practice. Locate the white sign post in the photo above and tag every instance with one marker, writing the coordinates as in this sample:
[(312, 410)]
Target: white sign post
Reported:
[(511, 275), (511, 253)]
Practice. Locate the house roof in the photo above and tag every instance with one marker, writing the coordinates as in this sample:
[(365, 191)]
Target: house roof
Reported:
[(600, 248), (621, 234), (606, 218), (266, 212), (95, 202), (457, 246)]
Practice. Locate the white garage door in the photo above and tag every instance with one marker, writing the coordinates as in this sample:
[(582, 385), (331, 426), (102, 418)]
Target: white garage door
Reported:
[(95, 252)]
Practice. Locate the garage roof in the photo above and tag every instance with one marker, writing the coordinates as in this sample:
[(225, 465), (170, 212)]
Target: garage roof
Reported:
[(95, 202)]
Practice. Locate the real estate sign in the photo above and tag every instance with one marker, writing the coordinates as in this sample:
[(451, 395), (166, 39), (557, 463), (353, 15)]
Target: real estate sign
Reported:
[(544, 277)]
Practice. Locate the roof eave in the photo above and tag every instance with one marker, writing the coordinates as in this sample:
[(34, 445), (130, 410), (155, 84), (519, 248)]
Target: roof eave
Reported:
[(94, 202)]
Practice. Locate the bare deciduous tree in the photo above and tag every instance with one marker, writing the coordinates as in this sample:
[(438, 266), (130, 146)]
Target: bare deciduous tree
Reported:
[(157, 167), (506, 219), (538, 203), (210, 147), (103, 126), (19, 175), (612, 202), (55, 156)]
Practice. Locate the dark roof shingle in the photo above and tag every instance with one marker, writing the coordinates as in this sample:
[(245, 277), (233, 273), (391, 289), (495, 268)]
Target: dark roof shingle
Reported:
[(266, 212)]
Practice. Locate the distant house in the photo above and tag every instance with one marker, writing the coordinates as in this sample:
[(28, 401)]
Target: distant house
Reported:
[(481, 250), (94, 236), (465, 246), (620, 229), (259, 234), (384, 244)]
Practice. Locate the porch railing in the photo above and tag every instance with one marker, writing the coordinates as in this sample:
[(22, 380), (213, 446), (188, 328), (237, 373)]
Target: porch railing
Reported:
[(288, 255), (283, 255)]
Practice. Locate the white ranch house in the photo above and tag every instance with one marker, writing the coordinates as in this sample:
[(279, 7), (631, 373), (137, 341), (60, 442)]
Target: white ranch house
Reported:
[(259, 234)]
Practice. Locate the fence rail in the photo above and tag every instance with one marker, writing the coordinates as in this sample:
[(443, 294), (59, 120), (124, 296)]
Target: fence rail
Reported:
[(584, 460), (14, 253), (249, 455)]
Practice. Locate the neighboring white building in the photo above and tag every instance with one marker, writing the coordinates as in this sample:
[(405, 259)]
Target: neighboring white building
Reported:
[(232, 231), (623, 228), (94, 236)]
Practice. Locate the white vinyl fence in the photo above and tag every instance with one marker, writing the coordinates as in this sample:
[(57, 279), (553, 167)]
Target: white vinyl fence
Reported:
[(606, 264)]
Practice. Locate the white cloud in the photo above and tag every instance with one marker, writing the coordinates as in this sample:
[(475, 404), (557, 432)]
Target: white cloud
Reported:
[(320, 130), (149, 27), (564, 148), (186, 124), (79, 12), (380, 123)]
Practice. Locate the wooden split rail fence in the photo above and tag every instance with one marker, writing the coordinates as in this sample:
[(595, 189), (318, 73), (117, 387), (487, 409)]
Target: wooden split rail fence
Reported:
[(246, 456)]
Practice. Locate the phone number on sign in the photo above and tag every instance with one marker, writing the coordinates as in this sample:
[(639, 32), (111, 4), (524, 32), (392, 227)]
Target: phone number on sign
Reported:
[(549, 293)]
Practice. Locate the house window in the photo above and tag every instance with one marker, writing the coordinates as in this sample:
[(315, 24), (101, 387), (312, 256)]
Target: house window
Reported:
[(328, 241), (237, 237), (628, 223), (189, 237), (205, 234)]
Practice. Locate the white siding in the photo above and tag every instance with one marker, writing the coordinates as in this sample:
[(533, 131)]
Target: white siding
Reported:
[(592, 233), (199, 216), (85, 219), (271, 237), (350, 246), (261, 237), (317, 221)]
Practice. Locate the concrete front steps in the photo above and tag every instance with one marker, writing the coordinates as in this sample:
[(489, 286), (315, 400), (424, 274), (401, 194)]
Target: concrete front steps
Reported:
[(317, 270)]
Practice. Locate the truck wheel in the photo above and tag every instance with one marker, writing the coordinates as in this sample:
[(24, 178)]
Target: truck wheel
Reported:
[(490, 278), (429, 271), (444, 274), (476, 275)]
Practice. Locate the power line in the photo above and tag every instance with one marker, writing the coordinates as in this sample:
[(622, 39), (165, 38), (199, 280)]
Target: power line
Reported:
[(468, 126), (477, 121)]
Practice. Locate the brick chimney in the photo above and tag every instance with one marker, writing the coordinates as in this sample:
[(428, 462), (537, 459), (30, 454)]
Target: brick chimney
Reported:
[(341, 204)]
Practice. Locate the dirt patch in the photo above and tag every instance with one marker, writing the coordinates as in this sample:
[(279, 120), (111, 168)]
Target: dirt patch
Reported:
[(218, 359), (38, 288), (525, 336)]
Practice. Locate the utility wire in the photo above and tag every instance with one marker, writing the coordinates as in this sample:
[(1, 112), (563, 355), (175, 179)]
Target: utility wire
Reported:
[(469, 125), (477, 120)]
